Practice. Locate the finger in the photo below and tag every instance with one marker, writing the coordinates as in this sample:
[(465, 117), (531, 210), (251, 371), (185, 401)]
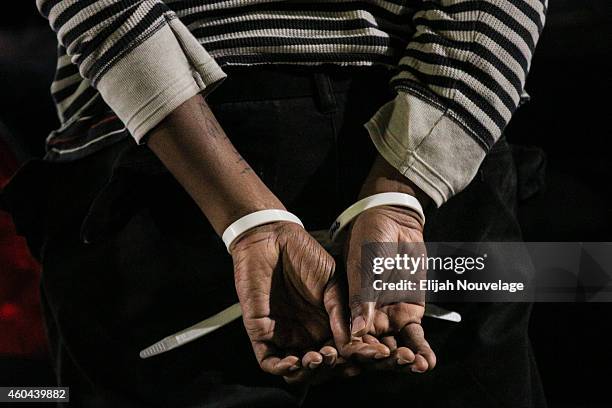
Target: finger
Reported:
[(312, 360), (404, 356), (273, 361), (330, 355), (398, 359), (419, 365), (322, 374), (363, 352), (315, 368), (334, 301), (346, 345), (280, 366), (362, 312), (373, 341), (304, 375), (414, 337), (369, 339), (400, 356), (362, 317), (390, 342)]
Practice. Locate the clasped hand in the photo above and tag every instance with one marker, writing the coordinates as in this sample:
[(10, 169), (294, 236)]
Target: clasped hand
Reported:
[(296, 306)]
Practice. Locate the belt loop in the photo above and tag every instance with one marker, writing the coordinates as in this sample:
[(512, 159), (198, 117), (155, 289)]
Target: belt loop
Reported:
[(324, 92)]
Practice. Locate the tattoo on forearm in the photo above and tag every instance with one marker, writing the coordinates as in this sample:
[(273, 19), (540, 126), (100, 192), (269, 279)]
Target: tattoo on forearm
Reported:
[(240, 160), (210, 123), (214, 130)]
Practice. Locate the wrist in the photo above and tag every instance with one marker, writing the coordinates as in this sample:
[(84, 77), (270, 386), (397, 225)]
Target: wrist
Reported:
[(384, 178), (385, 202), (250, 222), (232, 208)]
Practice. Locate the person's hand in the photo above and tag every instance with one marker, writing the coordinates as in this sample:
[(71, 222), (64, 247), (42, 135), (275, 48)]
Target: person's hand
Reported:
[(293, 308), (397, 324), (284, 278)]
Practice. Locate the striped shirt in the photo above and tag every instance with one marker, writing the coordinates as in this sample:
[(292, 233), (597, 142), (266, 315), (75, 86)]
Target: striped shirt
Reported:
[(461, 67)]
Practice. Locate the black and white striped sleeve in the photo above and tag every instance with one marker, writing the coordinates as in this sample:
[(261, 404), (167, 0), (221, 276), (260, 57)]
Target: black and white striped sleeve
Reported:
[(136, 53), (460, 80)]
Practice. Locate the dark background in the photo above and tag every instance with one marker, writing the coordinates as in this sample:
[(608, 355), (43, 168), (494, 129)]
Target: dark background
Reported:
[(568, 118)]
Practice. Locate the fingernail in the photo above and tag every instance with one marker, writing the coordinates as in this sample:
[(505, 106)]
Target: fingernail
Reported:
[(378, 356), (314, 364), (415, 370), (401, 361), (359, 324), (294, 368)]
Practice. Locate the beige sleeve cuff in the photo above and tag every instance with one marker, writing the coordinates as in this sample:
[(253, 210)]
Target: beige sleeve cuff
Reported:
[(157, 76), (425, 145)]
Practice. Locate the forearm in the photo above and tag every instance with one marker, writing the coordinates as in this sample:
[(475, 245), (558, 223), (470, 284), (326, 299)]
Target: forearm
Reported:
[(459, 82), (192, 145)]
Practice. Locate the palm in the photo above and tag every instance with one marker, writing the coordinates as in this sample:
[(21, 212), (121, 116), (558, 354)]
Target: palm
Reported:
[(390, 319)]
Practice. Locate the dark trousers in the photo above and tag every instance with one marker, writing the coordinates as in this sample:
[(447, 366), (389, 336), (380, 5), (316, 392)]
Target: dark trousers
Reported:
[(128, 258)]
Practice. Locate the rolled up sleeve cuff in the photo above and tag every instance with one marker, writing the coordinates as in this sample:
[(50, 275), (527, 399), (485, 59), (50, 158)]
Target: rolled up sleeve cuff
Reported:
[(425, 144), (157, 76)]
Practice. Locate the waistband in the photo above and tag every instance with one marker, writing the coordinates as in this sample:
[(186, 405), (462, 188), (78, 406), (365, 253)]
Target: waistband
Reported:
[(264, 82)]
